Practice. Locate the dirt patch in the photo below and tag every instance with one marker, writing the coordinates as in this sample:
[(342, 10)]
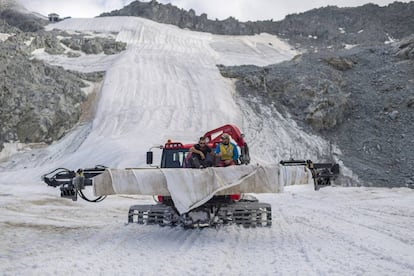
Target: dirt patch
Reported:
[(88, 107), (52, 201)]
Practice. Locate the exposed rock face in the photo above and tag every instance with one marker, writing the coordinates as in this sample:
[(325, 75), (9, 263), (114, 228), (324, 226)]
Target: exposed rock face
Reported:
[(405, 48), (38, 102), (331, 26), (316, 98), (49, 42), (22, 21), (94, 45), (340, 63), (335, 27), (360, 99)]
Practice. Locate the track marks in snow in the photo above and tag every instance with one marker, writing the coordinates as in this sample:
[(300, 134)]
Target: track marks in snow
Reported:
[(336, 231), (323, 223)]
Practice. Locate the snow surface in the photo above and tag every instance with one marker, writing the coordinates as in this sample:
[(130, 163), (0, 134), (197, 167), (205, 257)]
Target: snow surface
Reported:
[(4, 37), (335, 231), (166, 85)]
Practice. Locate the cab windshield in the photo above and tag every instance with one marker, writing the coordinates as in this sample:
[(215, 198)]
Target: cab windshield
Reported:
[(174, 158)]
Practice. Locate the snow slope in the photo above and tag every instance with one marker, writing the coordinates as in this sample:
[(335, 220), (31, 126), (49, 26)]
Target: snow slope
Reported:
[(166, 85)]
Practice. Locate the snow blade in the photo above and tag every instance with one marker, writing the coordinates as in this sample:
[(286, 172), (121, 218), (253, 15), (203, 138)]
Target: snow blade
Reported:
[(245, 213)]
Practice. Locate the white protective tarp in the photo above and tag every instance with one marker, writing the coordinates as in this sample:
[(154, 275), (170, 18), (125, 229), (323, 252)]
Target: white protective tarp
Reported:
[(190, 188)]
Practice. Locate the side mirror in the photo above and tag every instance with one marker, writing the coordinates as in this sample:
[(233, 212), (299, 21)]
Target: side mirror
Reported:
[(149, 157)]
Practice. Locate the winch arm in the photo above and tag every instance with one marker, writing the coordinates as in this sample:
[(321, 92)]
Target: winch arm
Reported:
[(322, 173), (72, 183)]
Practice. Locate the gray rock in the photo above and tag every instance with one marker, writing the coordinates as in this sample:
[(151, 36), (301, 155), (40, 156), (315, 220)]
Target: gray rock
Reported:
[(50, 43), (340, 63), (95, 45), (330, 26), (25, 22), (73, 54), (38, 102), (393, 115), (92, 46), (366, 109), (410, 102), (405, 48)]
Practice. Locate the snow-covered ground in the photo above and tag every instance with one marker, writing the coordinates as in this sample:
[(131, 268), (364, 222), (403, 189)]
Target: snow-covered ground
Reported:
[(335, 231), (166, 86)]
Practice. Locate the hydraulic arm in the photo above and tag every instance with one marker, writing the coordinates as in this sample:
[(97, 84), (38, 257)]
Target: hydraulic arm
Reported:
[(72, 183), (322, 173)]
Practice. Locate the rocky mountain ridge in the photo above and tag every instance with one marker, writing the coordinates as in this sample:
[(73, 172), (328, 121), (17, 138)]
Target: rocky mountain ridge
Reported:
[(328, 27)]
